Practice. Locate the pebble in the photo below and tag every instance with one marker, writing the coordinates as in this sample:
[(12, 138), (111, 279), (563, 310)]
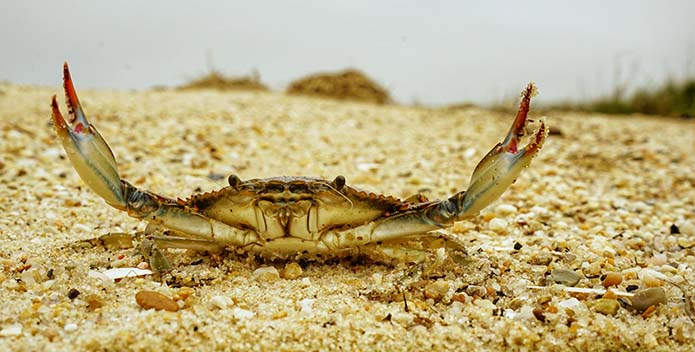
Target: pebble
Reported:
[(221, 302), (70, 327), (185, 292), (569, 303), (292, 271), (498, 225), (658, 259), (81, 228), (565, 277), (402, 318), (686, 242), (155, 300), (687, 228), (240, 313), (651, 278), (306, 306), (612, 279), (94, 302), (436, 290), (266, 274), (506, 209), (541, 258), (476, 291), (647, 297), (73, 293), (606, 306)]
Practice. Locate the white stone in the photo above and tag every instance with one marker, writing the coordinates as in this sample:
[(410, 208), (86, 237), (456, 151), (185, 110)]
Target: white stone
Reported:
[(221, 302), (498, 225), (569, 303), (469, 153), (268, 273), (306, 306), (506, 209), (81, 228), (70, 327), (687, 228), (242, 313), (12, 330)]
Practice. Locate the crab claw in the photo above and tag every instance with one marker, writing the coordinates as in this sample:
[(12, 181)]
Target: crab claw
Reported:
[(503, 163), (87, 150)]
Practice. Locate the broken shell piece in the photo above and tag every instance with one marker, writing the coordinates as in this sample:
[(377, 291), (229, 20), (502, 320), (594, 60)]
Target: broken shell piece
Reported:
[(119, 273)]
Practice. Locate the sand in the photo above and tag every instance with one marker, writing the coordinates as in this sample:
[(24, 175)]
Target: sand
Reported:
[(606, 195)]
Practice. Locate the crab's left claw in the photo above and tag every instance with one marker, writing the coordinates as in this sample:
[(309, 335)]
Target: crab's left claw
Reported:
[(502, 164), (87, 150)]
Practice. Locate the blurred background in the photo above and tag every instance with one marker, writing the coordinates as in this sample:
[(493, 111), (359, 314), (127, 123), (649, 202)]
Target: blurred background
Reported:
[(580, 54)]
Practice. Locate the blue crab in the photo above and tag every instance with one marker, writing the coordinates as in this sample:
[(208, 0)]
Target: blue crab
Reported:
[(288, 215)]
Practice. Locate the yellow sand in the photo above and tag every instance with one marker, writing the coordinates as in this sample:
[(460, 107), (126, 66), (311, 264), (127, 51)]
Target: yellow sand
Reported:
[(602, 197)]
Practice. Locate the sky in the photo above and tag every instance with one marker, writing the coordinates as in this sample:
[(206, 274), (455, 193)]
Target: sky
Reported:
[(427, 52)]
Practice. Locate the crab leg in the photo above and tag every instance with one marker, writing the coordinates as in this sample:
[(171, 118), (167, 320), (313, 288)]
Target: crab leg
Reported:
[(87, 150), (501, 165)]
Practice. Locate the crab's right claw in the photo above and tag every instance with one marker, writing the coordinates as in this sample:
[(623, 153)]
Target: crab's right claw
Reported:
[(87, 150), (503, 163)]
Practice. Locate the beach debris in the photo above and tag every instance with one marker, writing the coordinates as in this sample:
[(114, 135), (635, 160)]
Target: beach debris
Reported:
[(120, 273), (596, 291), (155, 300)]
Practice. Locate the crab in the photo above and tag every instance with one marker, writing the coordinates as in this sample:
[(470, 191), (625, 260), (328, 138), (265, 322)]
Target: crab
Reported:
[(289, 216)]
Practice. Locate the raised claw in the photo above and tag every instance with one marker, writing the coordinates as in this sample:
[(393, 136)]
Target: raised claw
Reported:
[(502, 164), (87, 150)]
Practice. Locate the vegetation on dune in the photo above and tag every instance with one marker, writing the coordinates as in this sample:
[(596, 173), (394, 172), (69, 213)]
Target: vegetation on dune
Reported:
[(217, 80), (671, 99)]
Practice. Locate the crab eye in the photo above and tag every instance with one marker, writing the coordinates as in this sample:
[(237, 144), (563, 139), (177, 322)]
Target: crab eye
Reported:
[(339, 182), (234, 181)]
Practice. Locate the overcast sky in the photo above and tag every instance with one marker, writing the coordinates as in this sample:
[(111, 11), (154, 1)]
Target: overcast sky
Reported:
[(432, 52)]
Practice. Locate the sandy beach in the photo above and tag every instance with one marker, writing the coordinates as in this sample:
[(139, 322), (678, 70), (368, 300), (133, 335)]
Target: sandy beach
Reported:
[(608, 203)]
